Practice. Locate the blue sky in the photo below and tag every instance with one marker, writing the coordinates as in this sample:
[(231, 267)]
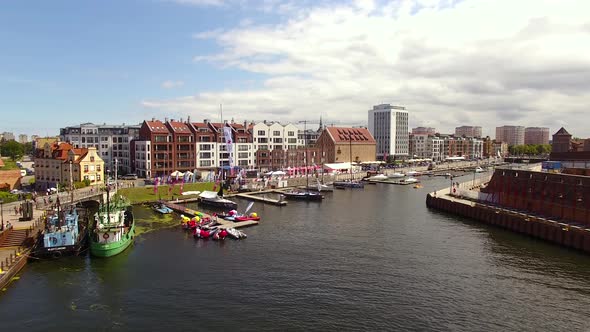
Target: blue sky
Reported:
[(449, 62)]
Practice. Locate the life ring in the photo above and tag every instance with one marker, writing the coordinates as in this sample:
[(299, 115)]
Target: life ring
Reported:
[(454, 190), (56, 254), (105, 236)]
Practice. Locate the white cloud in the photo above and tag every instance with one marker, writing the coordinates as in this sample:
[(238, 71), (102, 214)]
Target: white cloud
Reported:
[(199, 2), (450, 63), (172, 84)]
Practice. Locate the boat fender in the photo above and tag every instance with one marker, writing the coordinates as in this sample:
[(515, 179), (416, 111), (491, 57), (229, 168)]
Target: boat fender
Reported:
[(105, 236), (56, 254)]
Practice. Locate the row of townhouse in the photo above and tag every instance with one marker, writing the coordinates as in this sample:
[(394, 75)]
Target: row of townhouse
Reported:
[(165, 147)]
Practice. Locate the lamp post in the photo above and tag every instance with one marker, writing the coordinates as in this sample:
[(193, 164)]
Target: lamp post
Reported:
[(2, 212)]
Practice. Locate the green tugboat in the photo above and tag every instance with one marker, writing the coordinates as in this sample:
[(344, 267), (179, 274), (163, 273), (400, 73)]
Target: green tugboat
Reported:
[(114, 228)]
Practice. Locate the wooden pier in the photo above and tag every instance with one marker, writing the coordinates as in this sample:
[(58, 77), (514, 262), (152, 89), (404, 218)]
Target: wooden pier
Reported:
[(223, 223)]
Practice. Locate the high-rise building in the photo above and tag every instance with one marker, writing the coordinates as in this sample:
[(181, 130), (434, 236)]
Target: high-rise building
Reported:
[(22, 138), (423, 131), (512, 135), (536, 135), (468, 131), (389, 126)]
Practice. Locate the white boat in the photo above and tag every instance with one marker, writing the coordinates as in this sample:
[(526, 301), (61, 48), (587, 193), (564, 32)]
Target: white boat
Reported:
[(396, 175), (378, 177), (414, 173), (478, 169), (410, 180), (216, 199)]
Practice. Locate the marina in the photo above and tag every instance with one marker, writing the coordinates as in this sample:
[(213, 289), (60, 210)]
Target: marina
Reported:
[(433, 259)]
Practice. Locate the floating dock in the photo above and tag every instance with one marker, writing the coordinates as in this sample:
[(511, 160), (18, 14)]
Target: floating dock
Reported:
[(398, 182), (223, 223), (254, 196)]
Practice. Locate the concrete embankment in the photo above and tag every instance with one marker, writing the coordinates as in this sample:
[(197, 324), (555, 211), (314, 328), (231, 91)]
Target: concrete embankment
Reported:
[(562, 233)]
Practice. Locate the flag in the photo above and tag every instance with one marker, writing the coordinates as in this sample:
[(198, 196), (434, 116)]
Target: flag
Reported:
[(227, 134), (156, 180)]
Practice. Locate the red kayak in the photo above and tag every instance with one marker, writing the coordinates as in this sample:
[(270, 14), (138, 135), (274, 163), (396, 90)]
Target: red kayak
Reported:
[(246, 218)]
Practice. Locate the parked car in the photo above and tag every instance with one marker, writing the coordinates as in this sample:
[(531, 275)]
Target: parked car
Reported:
[(129, 177)]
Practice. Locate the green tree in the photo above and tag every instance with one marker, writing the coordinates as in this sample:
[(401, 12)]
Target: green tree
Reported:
[(12, 149)]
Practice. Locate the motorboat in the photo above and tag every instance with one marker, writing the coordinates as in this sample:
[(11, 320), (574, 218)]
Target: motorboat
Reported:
[(479, 170), (348, 184), (161, 208), (378, 177), (409, 180), (396, 175), (303, 195), (414, 173), (212, 198)]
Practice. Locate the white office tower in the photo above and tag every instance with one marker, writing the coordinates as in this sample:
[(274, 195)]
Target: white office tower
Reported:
[(389, 126)]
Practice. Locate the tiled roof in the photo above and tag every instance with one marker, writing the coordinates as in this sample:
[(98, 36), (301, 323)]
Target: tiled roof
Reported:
[(179, 127), (562, 131), (157, 127), (199, 125), (357, 135), (10, 177)]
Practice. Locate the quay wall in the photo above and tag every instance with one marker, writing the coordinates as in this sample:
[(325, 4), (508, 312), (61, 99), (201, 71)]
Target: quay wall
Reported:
[(564, 234)]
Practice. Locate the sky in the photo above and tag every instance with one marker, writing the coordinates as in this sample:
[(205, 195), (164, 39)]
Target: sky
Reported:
[(449, 62)]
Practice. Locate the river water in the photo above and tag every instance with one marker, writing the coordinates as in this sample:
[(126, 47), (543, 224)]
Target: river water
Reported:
[(372, 259)]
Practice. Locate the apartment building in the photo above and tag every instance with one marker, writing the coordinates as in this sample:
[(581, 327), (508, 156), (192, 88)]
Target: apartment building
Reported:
[(423, 131), (62, 164), (111, 141), (343, 144), (536, 135), (468, 131), (511, 135)]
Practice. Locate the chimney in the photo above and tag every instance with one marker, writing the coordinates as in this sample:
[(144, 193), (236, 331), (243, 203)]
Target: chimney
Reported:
[(153, 119), (188, 119), (180, 119), (206, 121), (165, 119), (245, 124)]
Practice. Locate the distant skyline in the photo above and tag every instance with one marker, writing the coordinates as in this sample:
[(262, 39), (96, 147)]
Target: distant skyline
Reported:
[(449, 62)]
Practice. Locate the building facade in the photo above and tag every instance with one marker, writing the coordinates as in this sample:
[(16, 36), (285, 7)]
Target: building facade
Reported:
[(536, 135), (389, 126), (342, 145), (512, 135), (468, 131), (22, 138), (6, 136), (62, 164), (111, 141), (423, 131)]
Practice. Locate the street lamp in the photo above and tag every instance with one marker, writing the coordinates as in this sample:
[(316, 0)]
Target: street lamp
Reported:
[(2, 212)]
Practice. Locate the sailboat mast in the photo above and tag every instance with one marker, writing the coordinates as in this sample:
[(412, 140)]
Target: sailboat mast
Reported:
[(350, 151)]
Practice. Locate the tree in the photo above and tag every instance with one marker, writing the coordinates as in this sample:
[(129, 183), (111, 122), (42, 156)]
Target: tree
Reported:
[(12, 149)]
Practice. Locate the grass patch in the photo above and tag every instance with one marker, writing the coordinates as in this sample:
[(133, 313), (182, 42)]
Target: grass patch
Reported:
[(146, 194), (157, 222), (8, 165)]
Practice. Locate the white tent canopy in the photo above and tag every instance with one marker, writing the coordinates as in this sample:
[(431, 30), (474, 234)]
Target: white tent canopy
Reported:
[(177, 173), (339, 166)]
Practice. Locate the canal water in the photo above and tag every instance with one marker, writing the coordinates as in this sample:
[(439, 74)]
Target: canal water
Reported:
[(372, 259)]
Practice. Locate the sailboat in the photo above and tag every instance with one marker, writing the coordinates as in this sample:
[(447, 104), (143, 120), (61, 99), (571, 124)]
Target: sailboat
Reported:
[(349, 183), (306, 194)]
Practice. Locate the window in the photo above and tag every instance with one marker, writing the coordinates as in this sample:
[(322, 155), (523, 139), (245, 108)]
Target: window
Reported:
[(276, 133), (91, 159), (97, 177), (205, 163), (290, 133), (85, 168), (205, 155), (261, 133), (98, 168)]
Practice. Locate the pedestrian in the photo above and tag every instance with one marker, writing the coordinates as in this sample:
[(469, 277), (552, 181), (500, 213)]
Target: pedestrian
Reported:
[(15, 211), (20, 210)]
